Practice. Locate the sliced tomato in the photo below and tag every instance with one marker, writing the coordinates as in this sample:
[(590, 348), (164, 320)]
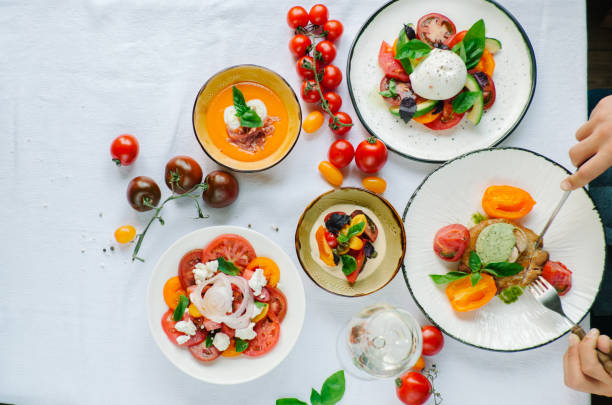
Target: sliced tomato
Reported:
[(392, 67), (268, 333), (488, 90), (186, 265), (168, 323), (227, 330), (360, 259), (233, 248), (435, 28), (278, 304), (450, 242), (447, 119), (203, 353), (403, 89), (558, 275), (456, 39)]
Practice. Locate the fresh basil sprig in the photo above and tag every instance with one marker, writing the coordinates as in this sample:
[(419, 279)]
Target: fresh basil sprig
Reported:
[(391, 91), (459, 49), (248, 117), (227, 267), (349, 264), (332, 392), (474, 42), (413, 49), (448, 277), (179, 311), (241, 345), (464, 101), (209, 339), (352, 231), (503, 269), (498, 269), (402, 40)]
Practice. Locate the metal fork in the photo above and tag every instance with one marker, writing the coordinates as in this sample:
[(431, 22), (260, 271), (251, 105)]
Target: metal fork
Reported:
[(546, 295)]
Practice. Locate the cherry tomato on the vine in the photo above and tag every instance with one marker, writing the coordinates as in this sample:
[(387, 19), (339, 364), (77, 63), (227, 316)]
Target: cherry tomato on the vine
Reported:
[(327, 50), (124, 149), (222, 189), (313, 121), (334, 101), (143, 193), (304, 67), (375, 184), (413, 388), (332, 77), (297, 17), (125, 234), (183, 173), (310, 94), (371, 155), (333, 29), (298, 45), (341, 118), (318, 14), (341, 153), (433, 340)]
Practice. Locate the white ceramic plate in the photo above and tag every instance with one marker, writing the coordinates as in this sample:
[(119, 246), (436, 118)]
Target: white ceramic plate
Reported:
[(451, 194), (514, 77), (226, 370)]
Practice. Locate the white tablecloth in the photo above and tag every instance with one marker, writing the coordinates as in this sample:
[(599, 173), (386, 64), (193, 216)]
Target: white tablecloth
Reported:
[(76, 74)]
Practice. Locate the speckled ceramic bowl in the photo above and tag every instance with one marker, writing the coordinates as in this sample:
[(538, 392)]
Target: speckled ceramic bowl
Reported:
[(373, 278)]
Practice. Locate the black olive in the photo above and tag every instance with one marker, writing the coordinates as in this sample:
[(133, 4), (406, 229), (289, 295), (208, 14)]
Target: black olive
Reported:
[(441, 45), (410, 34), (336, 258)]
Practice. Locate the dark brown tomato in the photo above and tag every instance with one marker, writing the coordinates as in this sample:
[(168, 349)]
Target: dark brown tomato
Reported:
[(141, 189), (182, 174), (222, 189), (403, 89)]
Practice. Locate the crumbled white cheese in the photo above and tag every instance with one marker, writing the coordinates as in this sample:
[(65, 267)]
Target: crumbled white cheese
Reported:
[(246, 333), (221, 341), (257, 282), (187, 327), (182, 339), (204, 271), (256, 310)]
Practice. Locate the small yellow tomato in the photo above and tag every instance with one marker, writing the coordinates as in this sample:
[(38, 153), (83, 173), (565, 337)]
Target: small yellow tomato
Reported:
[(355, 243), (313, 121), (374, 184), (331, 173), (262, 314), (125, 234), (419, 365), (193, 311)]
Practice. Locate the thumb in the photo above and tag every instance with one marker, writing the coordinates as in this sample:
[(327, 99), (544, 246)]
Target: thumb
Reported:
[(573, 182)]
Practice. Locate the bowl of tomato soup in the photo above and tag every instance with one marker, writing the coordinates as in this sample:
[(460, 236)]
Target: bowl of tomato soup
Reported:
[(217, 123)]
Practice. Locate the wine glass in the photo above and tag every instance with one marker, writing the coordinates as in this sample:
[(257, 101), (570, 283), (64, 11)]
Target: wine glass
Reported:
[(380, 341)]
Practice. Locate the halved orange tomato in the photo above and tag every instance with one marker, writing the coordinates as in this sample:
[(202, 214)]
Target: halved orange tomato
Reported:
[(325, 252), (485, 64), (269, 267), (464, 297), (172, 291)]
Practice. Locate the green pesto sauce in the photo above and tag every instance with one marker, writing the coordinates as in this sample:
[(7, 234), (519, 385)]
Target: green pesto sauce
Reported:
[(495, 243), (511, 294)]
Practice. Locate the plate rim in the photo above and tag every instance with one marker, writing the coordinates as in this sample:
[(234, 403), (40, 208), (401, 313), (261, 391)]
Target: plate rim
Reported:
[(404, 266), (534, 77), (221, 229)]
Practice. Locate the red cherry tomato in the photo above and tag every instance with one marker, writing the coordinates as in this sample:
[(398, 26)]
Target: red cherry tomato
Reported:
[(124, 150), (310, 94), (450, 242), (304, 67), (331, 239), (435, 28), (433, 340), (341, 153), (332, 77), (447, 119), (327, 50), (371, 155), (558, 275), (336, 125), (334, 101), (413, 388), (298, 45), (297, 17), (334, 29), (318, 14)]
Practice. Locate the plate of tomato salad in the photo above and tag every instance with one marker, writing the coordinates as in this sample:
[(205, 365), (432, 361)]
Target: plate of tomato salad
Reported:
[(505, 75), (245, 297)]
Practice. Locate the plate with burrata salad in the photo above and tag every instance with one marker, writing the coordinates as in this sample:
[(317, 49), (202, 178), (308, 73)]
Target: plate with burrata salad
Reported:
[(471, 229), (436, 79), (225, 304)]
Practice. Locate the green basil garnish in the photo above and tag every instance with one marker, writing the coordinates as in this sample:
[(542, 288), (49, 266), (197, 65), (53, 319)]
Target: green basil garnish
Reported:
[(227, 267), (241, 345), (315, 397), (260, 304), (333, 388), (459, 49), (464, 101), (448, 277), (478, 218), (290, 401), (179, 311), (349, 264), (209, 339), (474, 261), (391, 91), (352, 231), (503, 269), (413, 49), (510, 294), (474, 42), (248, 117), (475, 278)]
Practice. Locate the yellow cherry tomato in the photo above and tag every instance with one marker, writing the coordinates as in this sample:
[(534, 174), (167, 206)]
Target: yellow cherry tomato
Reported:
[(125, 234), (331, 173), (193, 311), (419, 365), (375, 184), (231, 350), (313, 121), (355, 243), (172, 291), (262, 315), (269, 267)]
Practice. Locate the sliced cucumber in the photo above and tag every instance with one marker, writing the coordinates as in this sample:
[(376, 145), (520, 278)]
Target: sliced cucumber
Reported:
[(475, 114), (424, 107), (492, 45)]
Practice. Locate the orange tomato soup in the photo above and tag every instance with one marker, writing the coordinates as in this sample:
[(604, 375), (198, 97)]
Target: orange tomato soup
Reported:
[(217, 130)]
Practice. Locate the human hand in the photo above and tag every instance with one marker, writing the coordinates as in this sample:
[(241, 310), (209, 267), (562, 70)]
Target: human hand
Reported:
[(582, 369), (593, 152)]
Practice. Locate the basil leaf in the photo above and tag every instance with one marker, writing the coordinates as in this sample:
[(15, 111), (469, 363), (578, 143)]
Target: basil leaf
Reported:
[(459, 49), (403, 39), (413, 49), (475, 278), (248, 117), (209, 339), (290, 401), (241, 345), (333, 388), (349, 264), (391, 91), (474, 42), (352, 231), (464, 101), (179, 311), (448, 277), (315, 397), (239, 103), (503, 269), (227, 267), (474, 262), (260, 304)]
